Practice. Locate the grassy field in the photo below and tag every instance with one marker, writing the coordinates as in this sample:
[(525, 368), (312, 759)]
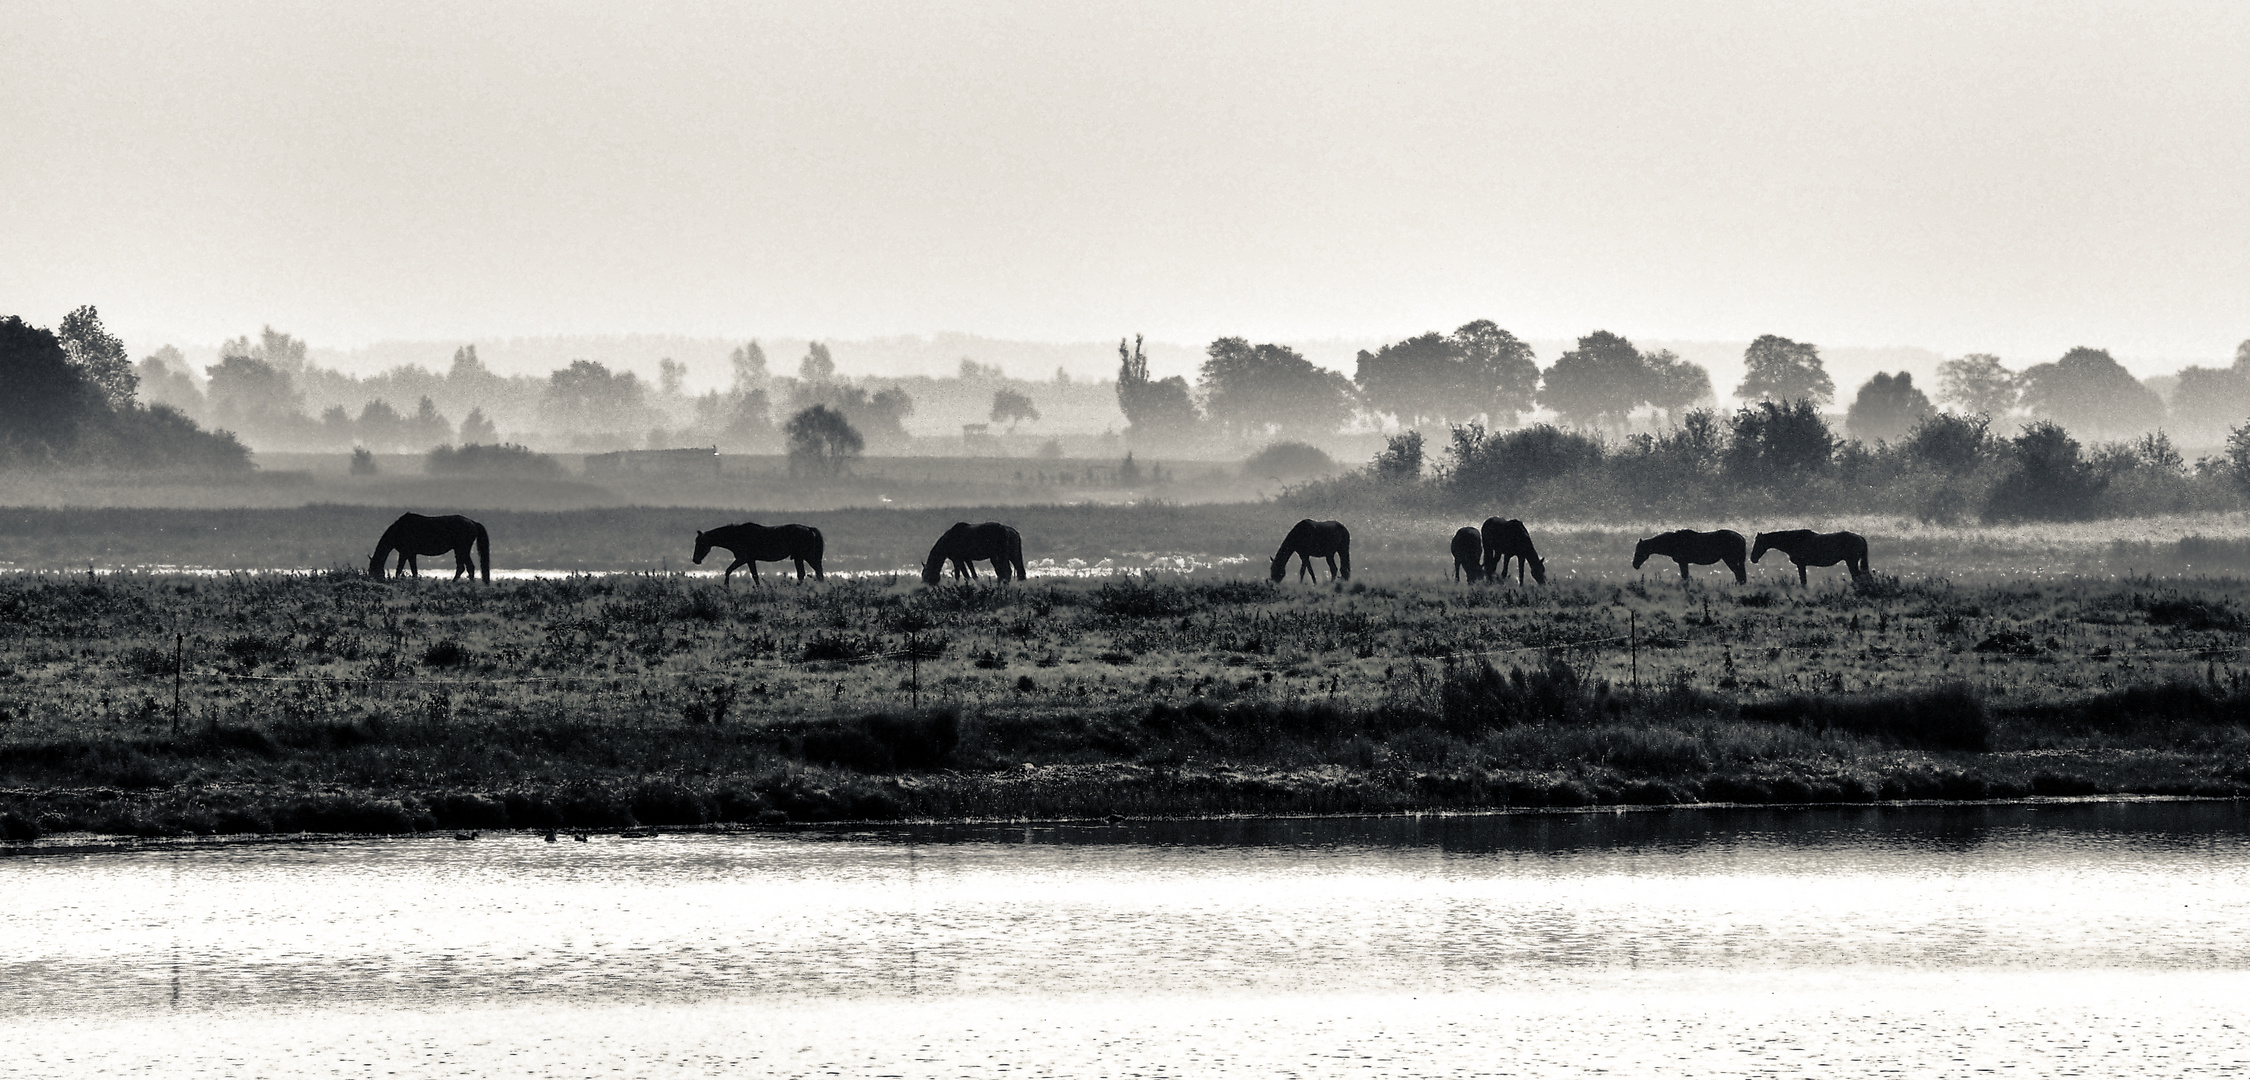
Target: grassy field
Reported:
[(326, 701)]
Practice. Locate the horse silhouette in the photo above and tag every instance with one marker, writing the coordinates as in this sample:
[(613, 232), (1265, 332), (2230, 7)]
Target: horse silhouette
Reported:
[(1808, 548), (1504, 540), (1686, 546), (752, 543), (1468, 554), (964, 544), (413, 534), (1311, 539)]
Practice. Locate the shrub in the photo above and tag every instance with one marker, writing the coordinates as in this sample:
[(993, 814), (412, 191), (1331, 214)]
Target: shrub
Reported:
[(1289, 461), (479, 459), (880, 742), (1476, 696)]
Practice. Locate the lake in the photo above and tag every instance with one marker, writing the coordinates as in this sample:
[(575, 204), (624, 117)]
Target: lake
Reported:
[(2058, 939)]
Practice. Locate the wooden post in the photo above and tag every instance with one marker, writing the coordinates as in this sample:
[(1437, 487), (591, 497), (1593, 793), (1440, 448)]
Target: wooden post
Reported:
[(179, 651), (1633, 639), (914, 664)]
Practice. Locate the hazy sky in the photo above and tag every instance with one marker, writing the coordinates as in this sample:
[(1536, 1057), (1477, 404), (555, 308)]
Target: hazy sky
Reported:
[(2007, 178)]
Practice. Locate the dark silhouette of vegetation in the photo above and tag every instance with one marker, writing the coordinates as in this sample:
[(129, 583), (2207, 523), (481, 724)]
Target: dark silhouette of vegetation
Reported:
[(479, 459), (1978, 384), (1401, 459), (1477, 372), (2048, 480), (58, 413), (1289, 461), (1599, 383), (1012, 407), (1152, 407), (2088, 391), (1886, 408), (1253, 391), (821, 442)]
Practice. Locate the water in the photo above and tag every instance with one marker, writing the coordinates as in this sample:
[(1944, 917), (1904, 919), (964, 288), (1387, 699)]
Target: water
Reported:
[(2095, 939)]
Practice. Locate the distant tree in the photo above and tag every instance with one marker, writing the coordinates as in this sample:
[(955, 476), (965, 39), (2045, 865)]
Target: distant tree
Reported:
[(671, 375), (1774, 444), (748, 362), (284, 353), (750, 422), (336, 426), (587, 397), (1888, 406), (817, 366), (482, 459), (427, 427), (1478, 370), (1011, 407), (1503, 465), (2089, 391), (1675, 386), (166, 379), (363, 462), (2238, 455), (1128, 471), (1255, 389), (469, 378), (248, 392), (53, 413), (1062, 377), (379, 425), (971, 371), (1288, 461), (478, 430), (1978, 384), (821, 442), (1783, 370), (2213, 399), (98, 354), (2050, 481), (1598, 384), (1152, 407)]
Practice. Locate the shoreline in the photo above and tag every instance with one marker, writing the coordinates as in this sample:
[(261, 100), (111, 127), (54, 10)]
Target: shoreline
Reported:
[(99, 843)]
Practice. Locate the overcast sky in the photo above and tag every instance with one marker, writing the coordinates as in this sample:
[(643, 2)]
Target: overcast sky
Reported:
[(2008, 178)]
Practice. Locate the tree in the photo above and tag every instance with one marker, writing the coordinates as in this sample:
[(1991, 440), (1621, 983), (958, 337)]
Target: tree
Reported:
[(1778, 443), (1951, 443), (428, 427), (817, 366), (1401, 459), (1599, 383), (2089, 391), (1676, 386), (1012, 407), (1783, 370), (1888, 406), (48, 397), (821, 441), (587, 397), (1159, 407), (166, 379), (1978, 384), (749, 364), (670, 376), (99, 355), (2050, 481), (251, 393), (1478, 370), (379, 425), (478, 430), (1256, 389)]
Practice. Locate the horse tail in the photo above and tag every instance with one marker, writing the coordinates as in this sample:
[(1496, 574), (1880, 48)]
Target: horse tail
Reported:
[(484, 553), (1344, 555), (1015, 554), (818, 546)]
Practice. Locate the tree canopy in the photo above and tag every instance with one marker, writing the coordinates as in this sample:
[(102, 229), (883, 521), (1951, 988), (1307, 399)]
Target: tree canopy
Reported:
[(1012, 407), (821, 441), (1478, 370), (1779, 369), (1599, 383), (1887, 407), (1256, 389), (1157, 407), (1978, 384), (2089, 391), (56, 412)]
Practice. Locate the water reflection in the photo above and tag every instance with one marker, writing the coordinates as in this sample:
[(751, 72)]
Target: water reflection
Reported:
[(1303, 911)]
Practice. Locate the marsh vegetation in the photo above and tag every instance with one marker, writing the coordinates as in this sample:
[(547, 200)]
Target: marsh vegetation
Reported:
[(327, 701)]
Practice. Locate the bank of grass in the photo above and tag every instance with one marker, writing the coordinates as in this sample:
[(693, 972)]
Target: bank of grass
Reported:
[(331, 703)]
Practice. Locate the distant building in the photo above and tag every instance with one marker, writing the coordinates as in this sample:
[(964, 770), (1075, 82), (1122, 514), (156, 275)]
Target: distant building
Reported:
[(686, 461)]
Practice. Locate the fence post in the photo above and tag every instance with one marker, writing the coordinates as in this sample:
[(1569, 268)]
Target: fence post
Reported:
[(1633, 637), (914, 665), (179, 651)]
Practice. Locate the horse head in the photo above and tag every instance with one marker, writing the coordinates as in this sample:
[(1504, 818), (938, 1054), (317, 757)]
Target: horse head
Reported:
[(1281, 565), (375, 566), (1640, 553), (1539, 569), (1765, 544), (702, 546)]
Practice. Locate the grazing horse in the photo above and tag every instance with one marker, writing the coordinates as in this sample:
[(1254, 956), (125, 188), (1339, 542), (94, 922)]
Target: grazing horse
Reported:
[(414, 534), (963, 544), (1468, 554), (752, 543), (1311, 539), (1504, 540), (1686, 546), (1808, 548)]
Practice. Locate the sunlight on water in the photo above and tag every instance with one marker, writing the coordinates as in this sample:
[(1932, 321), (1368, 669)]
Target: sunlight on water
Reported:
[(2064, 937)]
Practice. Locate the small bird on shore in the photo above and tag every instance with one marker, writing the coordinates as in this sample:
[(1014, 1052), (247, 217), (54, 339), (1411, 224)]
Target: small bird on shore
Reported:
[(464, 836), (578, 836), (550, 836)]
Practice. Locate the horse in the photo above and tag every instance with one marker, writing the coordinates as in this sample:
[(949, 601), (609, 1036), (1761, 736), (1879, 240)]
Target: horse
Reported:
[(1468, 554), (1808, 548), (1309, 539), (751, 543), (1686, 546), (1504, 540), (964, 544), (414, 534)]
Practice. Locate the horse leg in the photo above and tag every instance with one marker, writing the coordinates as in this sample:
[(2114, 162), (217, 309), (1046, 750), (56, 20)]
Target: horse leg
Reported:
[(1802, 579), (1520, 564), (754, 578), (1683, 568), (1742, 572)]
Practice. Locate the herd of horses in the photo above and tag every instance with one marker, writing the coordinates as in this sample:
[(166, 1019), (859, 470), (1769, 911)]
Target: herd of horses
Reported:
[(1477, 553)]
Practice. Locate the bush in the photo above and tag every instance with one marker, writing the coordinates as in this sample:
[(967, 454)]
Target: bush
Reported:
[(880, 742), (479, 459), (1289, 461), (1476, 696)]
